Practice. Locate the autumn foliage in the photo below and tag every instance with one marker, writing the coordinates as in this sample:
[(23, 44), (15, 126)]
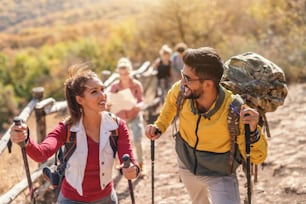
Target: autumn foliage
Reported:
[(39, 39)]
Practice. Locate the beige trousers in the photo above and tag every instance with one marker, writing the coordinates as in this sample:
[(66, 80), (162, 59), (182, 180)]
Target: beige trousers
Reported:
[(210, 189)]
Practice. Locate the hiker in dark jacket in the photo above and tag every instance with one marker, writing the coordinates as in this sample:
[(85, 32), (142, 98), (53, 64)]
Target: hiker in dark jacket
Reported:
[(163, 65), (203, 141), (88, 175)]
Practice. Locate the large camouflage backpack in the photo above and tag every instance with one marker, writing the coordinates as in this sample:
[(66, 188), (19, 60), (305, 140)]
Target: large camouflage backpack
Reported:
[(260, 82)]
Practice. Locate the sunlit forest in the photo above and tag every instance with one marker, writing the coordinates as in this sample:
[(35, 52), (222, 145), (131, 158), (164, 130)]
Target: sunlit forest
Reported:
[(39, 39)]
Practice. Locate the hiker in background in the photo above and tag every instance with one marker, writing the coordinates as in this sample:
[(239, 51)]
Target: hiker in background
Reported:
[(203, 141), (133, 116), (164, 71), (88, 175), (177, 60)]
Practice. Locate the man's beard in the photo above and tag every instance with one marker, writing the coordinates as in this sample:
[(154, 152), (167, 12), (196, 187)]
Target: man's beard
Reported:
[(192, 95)]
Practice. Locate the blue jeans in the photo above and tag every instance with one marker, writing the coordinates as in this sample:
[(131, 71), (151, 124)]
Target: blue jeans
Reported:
[(110, 199), (136, 126)]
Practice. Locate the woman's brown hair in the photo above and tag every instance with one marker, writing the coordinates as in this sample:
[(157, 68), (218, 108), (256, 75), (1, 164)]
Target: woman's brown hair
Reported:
[(78, 75)]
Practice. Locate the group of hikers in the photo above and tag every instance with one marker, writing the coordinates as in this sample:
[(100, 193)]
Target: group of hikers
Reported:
[(207, 156)]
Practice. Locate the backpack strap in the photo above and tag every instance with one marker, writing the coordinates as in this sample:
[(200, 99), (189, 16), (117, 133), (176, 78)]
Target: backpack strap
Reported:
[(233, 127), (69, 148), (63, 157), (114, 135), (70, 144), (263, 121), (179, 105)]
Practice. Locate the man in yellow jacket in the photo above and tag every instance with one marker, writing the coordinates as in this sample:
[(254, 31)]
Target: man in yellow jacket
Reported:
[(203, 141)]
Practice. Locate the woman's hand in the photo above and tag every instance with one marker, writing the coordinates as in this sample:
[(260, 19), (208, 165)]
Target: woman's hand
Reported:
[(19, 133), (131, 172)]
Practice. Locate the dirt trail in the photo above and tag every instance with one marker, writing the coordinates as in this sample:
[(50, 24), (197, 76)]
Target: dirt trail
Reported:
[(282, 178)]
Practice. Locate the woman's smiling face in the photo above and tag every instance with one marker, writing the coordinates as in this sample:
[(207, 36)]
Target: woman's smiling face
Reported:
[(94, 97)]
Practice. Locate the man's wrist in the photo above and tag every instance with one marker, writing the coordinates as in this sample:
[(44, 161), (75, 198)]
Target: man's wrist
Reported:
[(254, 136)]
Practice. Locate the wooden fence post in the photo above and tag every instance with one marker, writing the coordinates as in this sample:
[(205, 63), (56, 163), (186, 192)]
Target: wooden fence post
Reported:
[(38, 93)]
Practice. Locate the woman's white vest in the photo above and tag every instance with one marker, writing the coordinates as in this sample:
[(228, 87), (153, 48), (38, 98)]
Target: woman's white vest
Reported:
[(76, 164)]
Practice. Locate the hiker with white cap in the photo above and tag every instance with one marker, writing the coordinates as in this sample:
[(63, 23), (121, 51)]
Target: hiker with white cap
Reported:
[(134, 116)]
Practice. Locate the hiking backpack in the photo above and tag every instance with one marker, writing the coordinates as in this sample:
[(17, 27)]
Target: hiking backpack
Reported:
[(260, 82), (56, 173)]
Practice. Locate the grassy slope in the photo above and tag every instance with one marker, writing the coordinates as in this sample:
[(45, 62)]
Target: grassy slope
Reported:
[(28, 23)]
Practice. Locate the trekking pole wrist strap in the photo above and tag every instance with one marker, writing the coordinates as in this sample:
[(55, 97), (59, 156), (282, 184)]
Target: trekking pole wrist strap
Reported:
[(137, 170), (254, 136), (27, 140)]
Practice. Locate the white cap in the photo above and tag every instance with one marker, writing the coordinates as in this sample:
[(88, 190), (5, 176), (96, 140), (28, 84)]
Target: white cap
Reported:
[(165, 49), (124, 63)]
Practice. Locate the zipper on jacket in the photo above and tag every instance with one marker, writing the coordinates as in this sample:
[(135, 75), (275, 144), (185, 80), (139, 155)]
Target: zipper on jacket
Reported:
[(195, 146)]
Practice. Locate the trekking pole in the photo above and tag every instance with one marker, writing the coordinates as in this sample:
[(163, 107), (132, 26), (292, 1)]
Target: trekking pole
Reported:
[(17, 121), (126, 164), (248, 163), (152, 167), (157, 131)]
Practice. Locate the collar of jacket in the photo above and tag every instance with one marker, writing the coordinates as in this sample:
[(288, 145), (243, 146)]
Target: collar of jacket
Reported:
[(212, 111)]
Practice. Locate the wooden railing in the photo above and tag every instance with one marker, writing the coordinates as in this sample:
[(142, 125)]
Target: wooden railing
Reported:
[(43, 107)]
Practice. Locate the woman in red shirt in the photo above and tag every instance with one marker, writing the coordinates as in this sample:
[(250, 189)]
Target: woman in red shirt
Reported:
[(88, 174)]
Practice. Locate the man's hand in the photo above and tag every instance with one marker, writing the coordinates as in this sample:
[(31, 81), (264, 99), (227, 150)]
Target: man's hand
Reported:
[(249, 116), (152, 132)]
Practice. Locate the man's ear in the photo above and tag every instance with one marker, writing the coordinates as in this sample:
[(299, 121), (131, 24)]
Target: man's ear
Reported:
[(208, 84)]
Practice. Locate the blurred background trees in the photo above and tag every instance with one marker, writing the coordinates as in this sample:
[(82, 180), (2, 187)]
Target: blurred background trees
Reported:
[(39, 39)]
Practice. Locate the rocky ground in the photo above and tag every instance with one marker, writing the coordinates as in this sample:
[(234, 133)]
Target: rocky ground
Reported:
[(281, 179)]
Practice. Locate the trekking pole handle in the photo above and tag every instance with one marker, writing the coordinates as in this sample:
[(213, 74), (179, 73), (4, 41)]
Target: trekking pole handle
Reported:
[(126, 160), (18, 121), (126, 164), (157, 131), (247, 135)]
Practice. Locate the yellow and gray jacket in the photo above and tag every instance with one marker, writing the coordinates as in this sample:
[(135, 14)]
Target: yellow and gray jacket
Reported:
[(203, 141)]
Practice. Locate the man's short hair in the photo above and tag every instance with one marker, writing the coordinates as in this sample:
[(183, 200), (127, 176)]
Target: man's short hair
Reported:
[(206, 63), (181, 47)]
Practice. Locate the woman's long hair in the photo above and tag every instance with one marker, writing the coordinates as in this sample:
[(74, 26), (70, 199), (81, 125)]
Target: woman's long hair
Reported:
[(78, 75)]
